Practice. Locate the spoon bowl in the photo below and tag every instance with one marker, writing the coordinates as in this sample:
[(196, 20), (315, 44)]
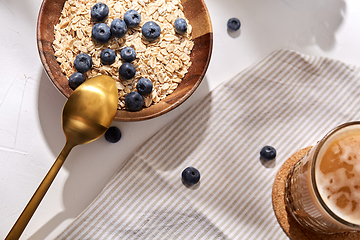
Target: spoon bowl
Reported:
[(90, 109), (87, 114)]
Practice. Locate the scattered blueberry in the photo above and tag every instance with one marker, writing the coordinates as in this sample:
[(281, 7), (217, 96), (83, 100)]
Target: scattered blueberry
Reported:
[(127, 71), (134, 101), (128, 54), (268, 153), (76, 79), (190, 176), (101, 32), (83, 62), (180, 25), (144, 86), (132, 18), (107, 56), (99, 12), (151, 30), (118, 28), (113, 134), (233, 24)]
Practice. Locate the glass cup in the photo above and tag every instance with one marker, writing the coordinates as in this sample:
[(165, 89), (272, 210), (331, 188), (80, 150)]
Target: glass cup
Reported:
[(322, 189)]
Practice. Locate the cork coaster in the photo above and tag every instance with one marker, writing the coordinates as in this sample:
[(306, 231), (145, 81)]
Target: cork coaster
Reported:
[(289, 225)]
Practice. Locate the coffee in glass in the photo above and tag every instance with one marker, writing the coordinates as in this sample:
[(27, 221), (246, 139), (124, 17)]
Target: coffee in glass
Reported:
[(322, 189)]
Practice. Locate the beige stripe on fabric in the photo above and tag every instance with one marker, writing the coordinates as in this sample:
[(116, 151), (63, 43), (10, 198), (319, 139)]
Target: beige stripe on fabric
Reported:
[(288, 100)]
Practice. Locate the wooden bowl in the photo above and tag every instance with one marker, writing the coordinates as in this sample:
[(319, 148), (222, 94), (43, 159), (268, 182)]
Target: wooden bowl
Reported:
[(202, 34)]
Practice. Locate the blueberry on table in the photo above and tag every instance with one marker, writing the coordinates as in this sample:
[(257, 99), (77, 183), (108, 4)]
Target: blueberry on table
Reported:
[(99, 12), (128, 54), (233, 24), (101, 33), (268, 153), (76, 79), (83, 62), (144, 86), (127, 71), (134, 101), (118, 28), (190, 176), (107, 56), (151, 30), (113, 134), (132, 18), (180, 25)]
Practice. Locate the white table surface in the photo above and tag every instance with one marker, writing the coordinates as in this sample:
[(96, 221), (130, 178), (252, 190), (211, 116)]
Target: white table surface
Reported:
[(31, 136)]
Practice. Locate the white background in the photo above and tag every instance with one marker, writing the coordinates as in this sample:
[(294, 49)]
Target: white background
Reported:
[(31, 136)]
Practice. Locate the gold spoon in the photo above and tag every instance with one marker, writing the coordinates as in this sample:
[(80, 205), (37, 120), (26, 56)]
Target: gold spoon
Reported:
[(86, 116)]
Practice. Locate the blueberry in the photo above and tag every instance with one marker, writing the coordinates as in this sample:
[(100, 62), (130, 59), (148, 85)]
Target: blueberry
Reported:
[(83, 62), (107, 56), (180, 25), (113, 134), (118, 28), (268, 153), (99, 12), (127, 71), (76, 79), (128, 54), (134, 101), (190, 176), (233, 24), (101, 32), (151, 30), (144, 86), (132, 18)]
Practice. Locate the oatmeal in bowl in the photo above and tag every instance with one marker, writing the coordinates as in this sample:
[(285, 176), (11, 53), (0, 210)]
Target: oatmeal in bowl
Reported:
[(157, 51)]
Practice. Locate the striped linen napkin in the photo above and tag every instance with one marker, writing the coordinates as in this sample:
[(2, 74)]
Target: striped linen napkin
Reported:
[(288, 100)]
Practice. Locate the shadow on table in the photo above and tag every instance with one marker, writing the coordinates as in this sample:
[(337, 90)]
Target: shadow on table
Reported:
[(86, 165), (234, 34), (291, 23)]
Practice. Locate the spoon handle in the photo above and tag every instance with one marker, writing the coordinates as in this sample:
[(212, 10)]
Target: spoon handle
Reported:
[(40, 192)]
